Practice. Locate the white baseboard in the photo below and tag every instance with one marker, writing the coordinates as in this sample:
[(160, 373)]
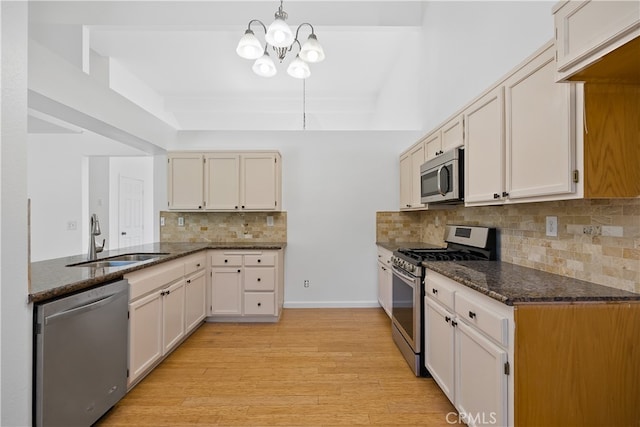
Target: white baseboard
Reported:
[(331, 304)]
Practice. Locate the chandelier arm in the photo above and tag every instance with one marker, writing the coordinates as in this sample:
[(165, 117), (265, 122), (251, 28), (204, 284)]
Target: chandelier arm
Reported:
[(259, 22), (300, 26)]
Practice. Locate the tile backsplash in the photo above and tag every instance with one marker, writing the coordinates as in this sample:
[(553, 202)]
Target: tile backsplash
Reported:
[(598, 240), (223, 227)]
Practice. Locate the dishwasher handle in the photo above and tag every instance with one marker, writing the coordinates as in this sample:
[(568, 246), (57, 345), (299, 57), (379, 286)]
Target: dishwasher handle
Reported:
[(80, 309)]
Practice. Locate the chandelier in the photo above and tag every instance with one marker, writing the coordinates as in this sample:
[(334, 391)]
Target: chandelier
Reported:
[(281, 38)]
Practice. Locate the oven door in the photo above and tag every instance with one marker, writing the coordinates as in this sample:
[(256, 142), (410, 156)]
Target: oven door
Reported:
[(405, 311)]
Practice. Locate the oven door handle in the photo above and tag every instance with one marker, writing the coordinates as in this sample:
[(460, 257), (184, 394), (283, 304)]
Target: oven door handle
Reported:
[(412, 280)]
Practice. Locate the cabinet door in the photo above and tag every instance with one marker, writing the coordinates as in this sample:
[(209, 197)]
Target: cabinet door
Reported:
[(222, 181), (172, 315), (453, 134), (186, 181), (195, 300), (481, 383), (439, 345), (259, 182), (484, 163), (588, 30), (539, 137), (145, 334), (384, 288), (406, 181), (226, 291), (432, 146), (417, 159)]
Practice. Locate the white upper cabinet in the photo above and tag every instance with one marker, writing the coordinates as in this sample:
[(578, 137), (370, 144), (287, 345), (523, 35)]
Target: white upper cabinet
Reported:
[(186, 180), (588, 31), (231, 181), (484, 153), (521, 137), (452, 134), (540, 142), (222, 184), (433, 145), (410, 162)]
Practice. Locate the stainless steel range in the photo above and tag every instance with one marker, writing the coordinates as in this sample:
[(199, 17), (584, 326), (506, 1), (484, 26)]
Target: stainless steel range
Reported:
[(407, 313)]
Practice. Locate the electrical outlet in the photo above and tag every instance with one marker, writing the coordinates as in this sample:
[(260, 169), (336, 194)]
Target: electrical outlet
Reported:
[(306, 283), (72, 225), (552, 226), (180, 221), (269, 221)]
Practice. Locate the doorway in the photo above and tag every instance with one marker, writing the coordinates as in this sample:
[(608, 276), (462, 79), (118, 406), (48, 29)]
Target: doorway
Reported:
[(131, 211)]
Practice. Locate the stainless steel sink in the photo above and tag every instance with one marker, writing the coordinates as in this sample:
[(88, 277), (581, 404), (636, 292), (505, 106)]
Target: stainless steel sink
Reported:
[(119, 260)]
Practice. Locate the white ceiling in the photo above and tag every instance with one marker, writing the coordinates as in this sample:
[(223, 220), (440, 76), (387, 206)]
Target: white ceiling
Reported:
[(184, 53)]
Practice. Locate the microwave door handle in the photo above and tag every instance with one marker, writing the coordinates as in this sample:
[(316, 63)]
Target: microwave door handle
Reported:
[(439, 175)]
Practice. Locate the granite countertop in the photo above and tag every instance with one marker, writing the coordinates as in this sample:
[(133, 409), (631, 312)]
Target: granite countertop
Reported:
[(52, 278), (512, 284)]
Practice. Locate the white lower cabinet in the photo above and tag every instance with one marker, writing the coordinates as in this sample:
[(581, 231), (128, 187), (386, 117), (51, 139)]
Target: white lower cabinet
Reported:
[(468, 349), (164, 306), (385, 279), (246, 285), (481, 387), (145, 334), (195, 303)]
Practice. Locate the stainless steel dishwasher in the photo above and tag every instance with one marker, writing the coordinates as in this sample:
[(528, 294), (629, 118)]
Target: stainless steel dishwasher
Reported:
[(81, 355)]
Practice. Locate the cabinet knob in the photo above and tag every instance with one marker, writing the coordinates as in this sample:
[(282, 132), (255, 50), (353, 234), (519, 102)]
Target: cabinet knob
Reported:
[(238, 270), (505, 194), (496, 196), (189, 281), (472, 315), (198, 265), (259, 279), (447, 319), (199, 207), (454, 323), (242, 206), (259, 304), (408, 206), (434, 291), (236, 207)]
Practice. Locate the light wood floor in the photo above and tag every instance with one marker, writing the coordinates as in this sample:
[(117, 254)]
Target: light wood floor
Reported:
[(316, 367)]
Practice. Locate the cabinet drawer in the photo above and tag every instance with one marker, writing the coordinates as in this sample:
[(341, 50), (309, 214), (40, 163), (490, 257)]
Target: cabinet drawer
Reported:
[(259, 303), (436, 287), (142, 282), (259, 278), (194, 263), (384, 255), (266, 258), (221, 259), (474, 313)]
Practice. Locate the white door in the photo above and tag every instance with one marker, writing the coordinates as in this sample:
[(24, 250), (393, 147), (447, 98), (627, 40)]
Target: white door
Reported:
[(131, 219), (145, 334), (439, 345), (172, 315)]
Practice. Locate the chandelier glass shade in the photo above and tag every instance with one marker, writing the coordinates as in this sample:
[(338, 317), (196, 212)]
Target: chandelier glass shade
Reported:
[(282, 41)]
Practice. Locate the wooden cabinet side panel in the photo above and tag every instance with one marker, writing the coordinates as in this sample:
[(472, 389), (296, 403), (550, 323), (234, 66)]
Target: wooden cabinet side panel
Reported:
[(577, 365), (612, 140)]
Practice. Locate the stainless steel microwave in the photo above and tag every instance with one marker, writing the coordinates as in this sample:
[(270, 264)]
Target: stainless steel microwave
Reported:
[(442, 178)]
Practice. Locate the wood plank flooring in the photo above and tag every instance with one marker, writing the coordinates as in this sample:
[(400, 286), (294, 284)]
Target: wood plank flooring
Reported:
[(316, 367)]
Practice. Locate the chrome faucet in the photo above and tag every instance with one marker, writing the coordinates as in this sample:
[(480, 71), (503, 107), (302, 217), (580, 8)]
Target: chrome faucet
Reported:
[(94, 230)]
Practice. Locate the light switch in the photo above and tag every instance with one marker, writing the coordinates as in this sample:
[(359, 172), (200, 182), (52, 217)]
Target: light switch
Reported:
[(180, 221), (269, 221)]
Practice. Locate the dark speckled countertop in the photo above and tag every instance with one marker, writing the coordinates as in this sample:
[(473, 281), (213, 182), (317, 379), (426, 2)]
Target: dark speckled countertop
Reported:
[(512, 284), (52, 278)]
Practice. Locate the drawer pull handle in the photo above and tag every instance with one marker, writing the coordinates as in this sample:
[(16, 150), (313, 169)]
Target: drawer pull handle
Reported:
[(198, 265), (259, 304), (258, 279), (447, 319), (434, 291), (472, 315), (189, 281), (259, 260), (226, 261), (454, 323)]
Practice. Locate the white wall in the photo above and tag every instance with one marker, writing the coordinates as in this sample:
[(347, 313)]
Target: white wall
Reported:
[(333, 183), (15, 312)]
